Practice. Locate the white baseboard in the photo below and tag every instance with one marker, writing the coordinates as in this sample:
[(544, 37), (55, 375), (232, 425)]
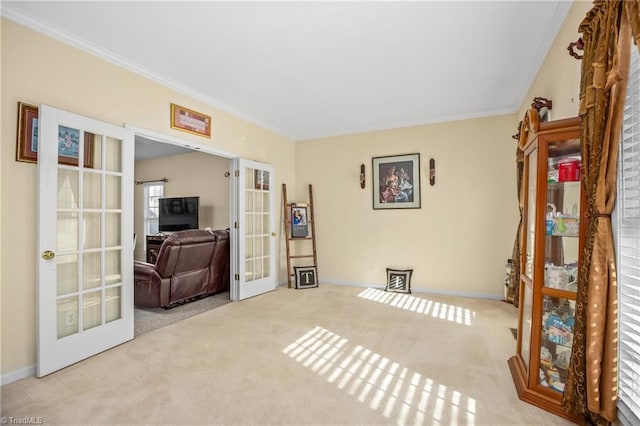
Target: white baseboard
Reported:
[(14, 376), (490, 296)]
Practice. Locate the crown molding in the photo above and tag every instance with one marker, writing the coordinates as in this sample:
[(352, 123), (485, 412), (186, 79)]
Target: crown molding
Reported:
[(29, 21)]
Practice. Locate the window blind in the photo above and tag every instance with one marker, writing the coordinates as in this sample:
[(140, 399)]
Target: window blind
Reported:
[(627, 221)]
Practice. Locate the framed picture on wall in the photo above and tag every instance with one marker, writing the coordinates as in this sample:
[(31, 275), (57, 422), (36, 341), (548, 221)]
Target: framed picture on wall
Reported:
[(68, 140), (190, 121), (396, 182), (27, 144)]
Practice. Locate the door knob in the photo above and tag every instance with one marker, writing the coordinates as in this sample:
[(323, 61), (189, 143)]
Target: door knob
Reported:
[(48, 255)]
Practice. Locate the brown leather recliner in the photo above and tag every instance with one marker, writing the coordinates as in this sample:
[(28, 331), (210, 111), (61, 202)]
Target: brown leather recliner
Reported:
[(190, 264), (219, 279)]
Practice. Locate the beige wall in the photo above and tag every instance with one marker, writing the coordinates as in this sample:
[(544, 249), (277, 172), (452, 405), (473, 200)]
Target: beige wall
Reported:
[(37, 69), (559, 76), (460, 239), (192, 174)]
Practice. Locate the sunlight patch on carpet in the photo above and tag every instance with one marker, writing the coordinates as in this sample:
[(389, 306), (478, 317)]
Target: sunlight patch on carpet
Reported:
[(419, 305), (399, 394)]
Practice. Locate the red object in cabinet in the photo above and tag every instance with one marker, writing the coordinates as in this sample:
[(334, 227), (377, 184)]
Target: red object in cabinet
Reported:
[(569, 171)]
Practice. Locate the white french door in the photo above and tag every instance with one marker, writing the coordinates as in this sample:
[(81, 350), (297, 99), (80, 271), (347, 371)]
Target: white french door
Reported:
[(85, 238), (255, 264)]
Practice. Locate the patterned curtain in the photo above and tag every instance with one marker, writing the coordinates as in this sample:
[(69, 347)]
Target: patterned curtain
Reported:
[(513, 289), (591, 389)]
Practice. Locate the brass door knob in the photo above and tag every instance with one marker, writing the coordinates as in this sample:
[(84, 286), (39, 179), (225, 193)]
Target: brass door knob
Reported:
[(48, 255), (273, 234)]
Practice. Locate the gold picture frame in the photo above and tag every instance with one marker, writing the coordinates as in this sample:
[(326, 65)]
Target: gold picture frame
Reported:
[(27, 141), (68, 140), (190, 121)]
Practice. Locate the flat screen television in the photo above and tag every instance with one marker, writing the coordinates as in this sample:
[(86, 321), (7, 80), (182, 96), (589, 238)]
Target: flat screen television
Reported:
[(178, 213)]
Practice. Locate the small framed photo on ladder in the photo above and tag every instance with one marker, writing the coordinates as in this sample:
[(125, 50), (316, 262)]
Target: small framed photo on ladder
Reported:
[(299, 221)]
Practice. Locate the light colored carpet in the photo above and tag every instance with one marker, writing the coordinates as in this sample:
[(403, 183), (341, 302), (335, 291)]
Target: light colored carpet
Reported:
[(333, 355), (148, 319)]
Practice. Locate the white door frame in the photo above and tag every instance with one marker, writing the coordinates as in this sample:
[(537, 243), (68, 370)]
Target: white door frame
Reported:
[(233, 198)]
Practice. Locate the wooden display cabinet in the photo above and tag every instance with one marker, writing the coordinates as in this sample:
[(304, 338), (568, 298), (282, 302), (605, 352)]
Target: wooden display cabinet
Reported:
[(551, 240)]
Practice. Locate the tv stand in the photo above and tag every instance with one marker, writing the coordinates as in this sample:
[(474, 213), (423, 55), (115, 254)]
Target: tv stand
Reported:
[(154, 242)]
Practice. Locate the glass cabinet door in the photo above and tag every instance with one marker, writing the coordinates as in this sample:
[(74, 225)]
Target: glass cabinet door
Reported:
[(561, 250), (525, 327), (556, 340), (532, 164), (562, 215)]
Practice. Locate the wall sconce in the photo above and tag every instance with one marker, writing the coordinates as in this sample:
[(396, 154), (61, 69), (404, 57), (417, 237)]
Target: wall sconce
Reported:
[(362, 176), (432, 171)]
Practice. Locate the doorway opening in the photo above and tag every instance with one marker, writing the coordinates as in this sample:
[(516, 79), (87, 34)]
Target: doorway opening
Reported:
[(177, 169)]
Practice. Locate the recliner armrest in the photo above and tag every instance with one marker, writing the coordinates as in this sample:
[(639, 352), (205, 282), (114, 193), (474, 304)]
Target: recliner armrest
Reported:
[(141, 268)]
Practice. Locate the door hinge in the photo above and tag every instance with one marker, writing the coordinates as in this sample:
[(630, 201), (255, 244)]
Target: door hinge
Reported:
[(237, 173), (236, 225), (237, 277)]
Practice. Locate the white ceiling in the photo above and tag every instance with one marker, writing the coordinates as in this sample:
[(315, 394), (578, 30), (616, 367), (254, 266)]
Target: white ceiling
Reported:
[(146, 149), (315, 69)]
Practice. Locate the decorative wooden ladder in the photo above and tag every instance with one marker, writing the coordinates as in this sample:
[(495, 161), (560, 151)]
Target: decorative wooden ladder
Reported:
[(289, 238)]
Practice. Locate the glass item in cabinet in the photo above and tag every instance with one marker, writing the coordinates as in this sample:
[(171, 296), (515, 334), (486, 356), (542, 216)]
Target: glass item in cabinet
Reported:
[(555, 341), (531, 213), (563, 277)]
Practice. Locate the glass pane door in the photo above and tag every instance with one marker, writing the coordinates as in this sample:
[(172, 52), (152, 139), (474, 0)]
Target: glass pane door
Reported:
[(89, 219), (85, 210), (258, 224), (255, 224)]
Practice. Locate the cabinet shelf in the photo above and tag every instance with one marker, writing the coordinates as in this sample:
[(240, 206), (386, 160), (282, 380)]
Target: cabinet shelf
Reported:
[(558, 292), (561, 185)]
